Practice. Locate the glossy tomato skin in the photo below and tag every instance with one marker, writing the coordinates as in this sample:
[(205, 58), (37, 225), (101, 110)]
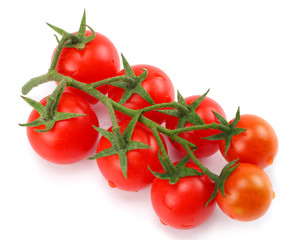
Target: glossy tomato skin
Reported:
[(257, 145), (248, 193), (70, 140), (97, 61), (138, 174), (205, 148), (182, 205), (157, 84)]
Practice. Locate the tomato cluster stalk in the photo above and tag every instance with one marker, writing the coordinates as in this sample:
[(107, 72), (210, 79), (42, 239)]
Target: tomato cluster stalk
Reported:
[(121, 142)]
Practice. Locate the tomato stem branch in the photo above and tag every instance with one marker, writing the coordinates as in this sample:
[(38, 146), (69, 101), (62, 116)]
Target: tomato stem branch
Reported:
[(205, 170), (58, 51), (108, 80), (119, 140), (166, 105), (164, 159), (200, 127)]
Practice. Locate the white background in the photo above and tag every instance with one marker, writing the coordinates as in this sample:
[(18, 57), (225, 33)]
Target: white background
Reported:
[(249, 53)]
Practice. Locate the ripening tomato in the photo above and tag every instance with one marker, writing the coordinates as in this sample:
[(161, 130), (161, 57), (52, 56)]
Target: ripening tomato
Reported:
[(257, 145), (157, 84), (205, 147), (138, 174), (97, 61), (248, 193), (69, 140), (182, 205)]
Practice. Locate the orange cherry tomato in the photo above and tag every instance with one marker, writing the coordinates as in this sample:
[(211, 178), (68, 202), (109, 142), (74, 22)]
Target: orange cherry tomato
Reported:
[(248, 193)]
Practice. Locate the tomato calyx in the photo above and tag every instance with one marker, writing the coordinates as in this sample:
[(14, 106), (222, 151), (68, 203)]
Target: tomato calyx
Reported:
[(132, 84), (121, 143), (230, 129), (186, 113), (220, 181), (48, 113), (78, 40), (179, 171)]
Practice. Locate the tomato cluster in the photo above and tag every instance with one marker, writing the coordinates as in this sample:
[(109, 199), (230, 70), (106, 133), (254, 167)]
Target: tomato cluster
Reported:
[(132, 156)]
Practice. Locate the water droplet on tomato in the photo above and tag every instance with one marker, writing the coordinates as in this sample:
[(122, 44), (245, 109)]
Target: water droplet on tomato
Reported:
[(111, 184)]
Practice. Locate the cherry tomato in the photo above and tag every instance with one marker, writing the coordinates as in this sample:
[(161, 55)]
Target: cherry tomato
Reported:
[(257, 145), (97, 61), (157, 84), (248, 193), (138, 174), (69, 140), (182, 205), (205, 147)]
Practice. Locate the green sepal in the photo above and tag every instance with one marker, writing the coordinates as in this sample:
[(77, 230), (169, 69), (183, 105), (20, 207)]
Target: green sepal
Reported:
[(48, 113), (49, 123), (180, 171), (133, 84), (127, 67), (78, 40), (105, 153), (193, 106), (220, 183), (36, 105), (164, 176), (127, 134), (231, 131), (169, 174), (162, 161), (133, 145), (185, 171), (108, 135), (123, 161), (57, 29), (189, 116), (117, 148)]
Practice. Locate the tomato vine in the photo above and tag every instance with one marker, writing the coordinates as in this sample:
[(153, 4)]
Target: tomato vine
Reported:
[(184, 112), (121, 141)]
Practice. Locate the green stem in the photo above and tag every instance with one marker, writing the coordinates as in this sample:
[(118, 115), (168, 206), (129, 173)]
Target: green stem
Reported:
[(34, 82), (167, 164), (58, 51), (53, 101), (108, 80), (69, 36), (174, 137), (200, 127), (119, 140), (205, 170), (176, 105), (112, 114)]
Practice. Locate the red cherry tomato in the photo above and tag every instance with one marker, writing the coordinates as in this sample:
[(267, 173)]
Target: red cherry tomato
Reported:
[(97, 61), (157, 84), (138, 174), (248, 193), (205, 148), (182, 205), (257, 145), (69, 140)]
